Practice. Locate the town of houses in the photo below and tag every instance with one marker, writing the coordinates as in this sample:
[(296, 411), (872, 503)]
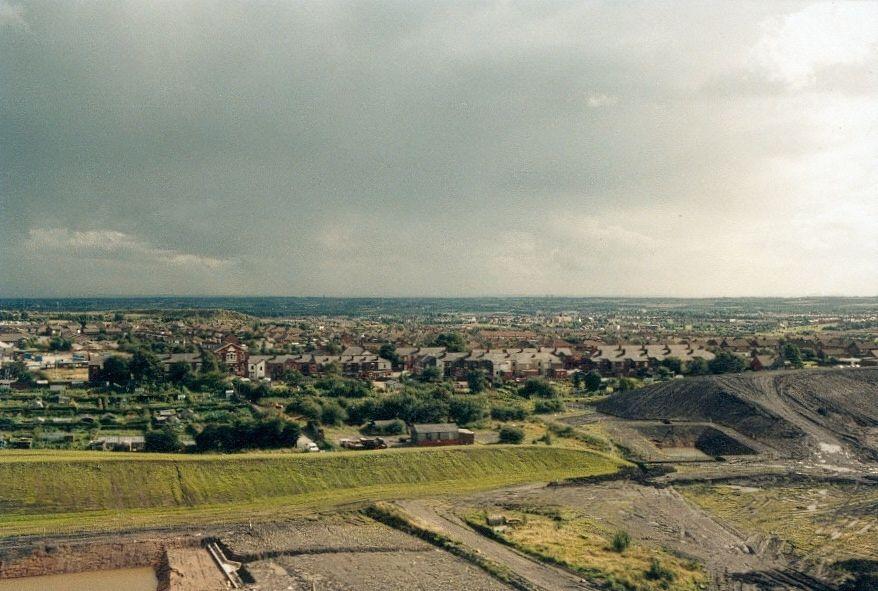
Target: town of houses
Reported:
[(279, 347)]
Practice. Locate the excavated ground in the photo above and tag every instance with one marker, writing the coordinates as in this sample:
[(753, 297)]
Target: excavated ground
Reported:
[(827, 414), (791, 505)]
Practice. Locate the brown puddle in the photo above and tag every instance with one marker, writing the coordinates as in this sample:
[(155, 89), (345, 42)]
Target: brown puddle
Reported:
[(129, 579)]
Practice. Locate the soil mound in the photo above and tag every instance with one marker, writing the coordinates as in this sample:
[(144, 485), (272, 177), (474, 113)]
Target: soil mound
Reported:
[(832, 412)]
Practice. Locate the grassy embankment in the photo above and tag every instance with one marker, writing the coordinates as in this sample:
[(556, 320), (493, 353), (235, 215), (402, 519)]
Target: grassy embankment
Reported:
[(55, 492)]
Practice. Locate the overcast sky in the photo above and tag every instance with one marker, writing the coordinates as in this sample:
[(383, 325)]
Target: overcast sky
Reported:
[(438, 148)]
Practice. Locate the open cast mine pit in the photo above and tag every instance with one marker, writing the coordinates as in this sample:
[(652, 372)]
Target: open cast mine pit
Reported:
[(704, 438), (830, 413)]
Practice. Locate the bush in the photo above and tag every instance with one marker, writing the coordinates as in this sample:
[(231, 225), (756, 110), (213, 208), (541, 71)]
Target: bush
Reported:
[(395, 427), (252, 392), (309, 408), (332, 413), (657, 572), (697, 367), (360, 411), (508, 413), (430, 374), (343, 388), (726, 362), (164, 440), (546, 438), (511, 434), (592, 381), (477, 380), (248, 434), (621, 541), (625, 384), (464, 410), (452, 341), (547, 406), (537, 387)]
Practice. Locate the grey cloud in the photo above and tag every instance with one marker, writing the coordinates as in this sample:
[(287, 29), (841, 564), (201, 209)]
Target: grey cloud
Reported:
[(420, 147)]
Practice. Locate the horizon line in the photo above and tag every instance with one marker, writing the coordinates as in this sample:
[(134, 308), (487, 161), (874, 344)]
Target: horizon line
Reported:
[(441, 297)]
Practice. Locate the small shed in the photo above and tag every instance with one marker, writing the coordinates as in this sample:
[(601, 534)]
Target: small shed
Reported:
[(440, 434), (432, 433)]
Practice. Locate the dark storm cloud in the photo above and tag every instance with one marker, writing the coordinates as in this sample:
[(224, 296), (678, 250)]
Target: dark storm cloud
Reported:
[(435, 148)]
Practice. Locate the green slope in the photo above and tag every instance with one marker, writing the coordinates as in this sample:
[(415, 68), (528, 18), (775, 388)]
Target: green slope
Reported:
[(48, 492)]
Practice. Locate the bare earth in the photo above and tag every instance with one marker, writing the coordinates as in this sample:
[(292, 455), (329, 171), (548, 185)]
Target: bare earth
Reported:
[(440, 516)]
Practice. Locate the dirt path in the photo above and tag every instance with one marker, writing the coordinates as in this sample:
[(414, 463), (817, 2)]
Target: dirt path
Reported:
[(439, 516)]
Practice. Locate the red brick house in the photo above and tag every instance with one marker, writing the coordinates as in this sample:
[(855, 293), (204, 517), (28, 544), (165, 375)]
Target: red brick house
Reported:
[(234, 357)]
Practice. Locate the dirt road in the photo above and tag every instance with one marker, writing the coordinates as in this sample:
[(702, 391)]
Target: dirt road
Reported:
[(438, 515)]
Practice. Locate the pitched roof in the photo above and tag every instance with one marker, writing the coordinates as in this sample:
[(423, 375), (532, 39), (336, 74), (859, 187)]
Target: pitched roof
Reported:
[(434, 427)]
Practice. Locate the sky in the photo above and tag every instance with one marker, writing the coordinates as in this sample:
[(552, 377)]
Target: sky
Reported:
[(419, 148)]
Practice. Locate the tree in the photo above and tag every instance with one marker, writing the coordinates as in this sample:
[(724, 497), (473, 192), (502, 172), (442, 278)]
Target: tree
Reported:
[(726, 362), (146, 368), (17, 371), (308, 408), (697, 367), (388, 352), (792, 354), (537, 387), (273, 432), (214, 381), (252, 392), (578, 380), (116, 371), (247, 434), (164, 440), (428, 411), (477, 380), (209, 362), (430, 373), (180, 373), (593, 381), (509, 413), (292, 377), (626, 384), (59, 344), (510, 434), (332, 413), (673, 363), (452, 341), (464, 410)]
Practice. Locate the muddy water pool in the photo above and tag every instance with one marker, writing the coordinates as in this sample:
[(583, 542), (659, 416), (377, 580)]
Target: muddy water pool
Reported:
[(129, 579)]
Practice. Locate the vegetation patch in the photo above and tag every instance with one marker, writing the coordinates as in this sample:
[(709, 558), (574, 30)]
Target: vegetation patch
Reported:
[(605, 556), (832, 521), (69, 491)]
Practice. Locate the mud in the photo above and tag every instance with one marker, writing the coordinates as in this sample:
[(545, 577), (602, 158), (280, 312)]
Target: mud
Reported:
[(178, 563)]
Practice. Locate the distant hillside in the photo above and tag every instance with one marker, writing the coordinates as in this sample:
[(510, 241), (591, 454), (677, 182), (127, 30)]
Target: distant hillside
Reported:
[(798, 413), (368, 306)]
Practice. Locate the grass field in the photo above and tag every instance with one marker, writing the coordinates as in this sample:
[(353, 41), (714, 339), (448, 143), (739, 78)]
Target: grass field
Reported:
[(59, 492), (580, 543), (829, 521)]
